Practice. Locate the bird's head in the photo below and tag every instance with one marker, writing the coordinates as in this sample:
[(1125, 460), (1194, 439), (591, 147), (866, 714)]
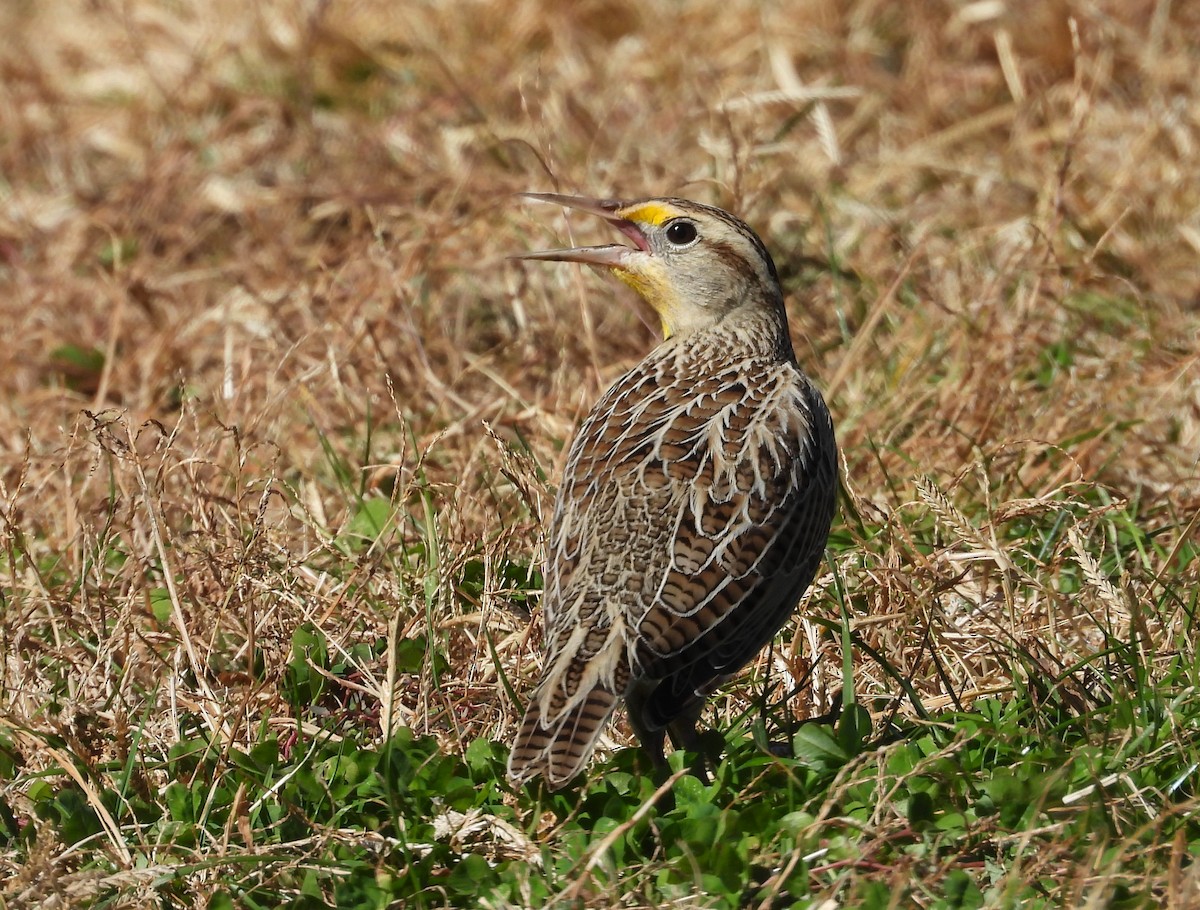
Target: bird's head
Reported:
[(692, 263)]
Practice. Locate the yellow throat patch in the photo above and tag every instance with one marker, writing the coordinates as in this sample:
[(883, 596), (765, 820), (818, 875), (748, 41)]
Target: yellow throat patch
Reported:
[(654, 286)]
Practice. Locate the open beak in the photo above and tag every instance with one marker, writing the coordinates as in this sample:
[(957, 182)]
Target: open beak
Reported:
[(611, 255)]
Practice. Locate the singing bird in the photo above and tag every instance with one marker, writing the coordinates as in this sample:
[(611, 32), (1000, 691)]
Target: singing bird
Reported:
[(696, 499)]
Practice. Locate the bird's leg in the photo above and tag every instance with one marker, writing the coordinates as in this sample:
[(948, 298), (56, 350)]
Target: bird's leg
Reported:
[(683, 730), (685, 736), (652, 740)]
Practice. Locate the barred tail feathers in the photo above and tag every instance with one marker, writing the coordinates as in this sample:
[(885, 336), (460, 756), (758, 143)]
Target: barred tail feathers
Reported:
[(558, 748)]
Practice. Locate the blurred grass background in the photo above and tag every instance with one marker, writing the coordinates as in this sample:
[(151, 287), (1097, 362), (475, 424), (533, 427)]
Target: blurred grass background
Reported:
[(279, 422)]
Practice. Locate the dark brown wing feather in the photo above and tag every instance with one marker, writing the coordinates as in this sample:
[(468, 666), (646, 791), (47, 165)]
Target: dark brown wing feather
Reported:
[(689, 522), (743, 555)]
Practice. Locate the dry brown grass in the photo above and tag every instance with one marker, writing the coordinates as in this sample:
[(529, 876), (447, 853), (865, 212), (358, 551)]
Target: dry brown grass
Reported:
[(284, 224)]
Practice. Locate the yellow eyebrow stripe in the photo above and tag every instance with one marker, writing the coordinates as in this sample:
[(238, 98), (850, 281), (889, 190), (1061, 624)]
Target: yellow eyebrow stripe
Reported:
[(653, 213)]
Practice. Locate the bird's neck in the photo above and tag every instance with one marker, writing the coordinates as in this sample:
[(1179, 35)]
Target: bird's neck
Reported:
[(751, 327)]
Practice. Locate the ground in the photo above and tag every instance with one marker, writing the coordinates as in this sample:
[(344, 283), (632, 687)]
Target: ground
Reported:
[(281, 424)]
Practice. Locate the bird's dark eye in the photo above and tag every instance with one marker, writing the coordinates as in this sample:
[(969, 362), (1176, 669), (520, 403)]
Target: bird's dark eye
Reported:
[(681, 232)]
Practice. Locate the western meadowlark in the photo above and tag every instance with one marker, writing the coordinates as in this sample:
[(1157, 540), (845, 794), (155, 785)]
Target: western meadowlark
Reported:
[(696, 499)]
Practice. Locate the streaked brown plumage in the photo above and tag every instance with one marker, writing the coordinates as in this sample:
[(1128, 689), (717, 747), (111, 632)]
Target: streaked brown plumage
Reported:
[(696, 499)]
